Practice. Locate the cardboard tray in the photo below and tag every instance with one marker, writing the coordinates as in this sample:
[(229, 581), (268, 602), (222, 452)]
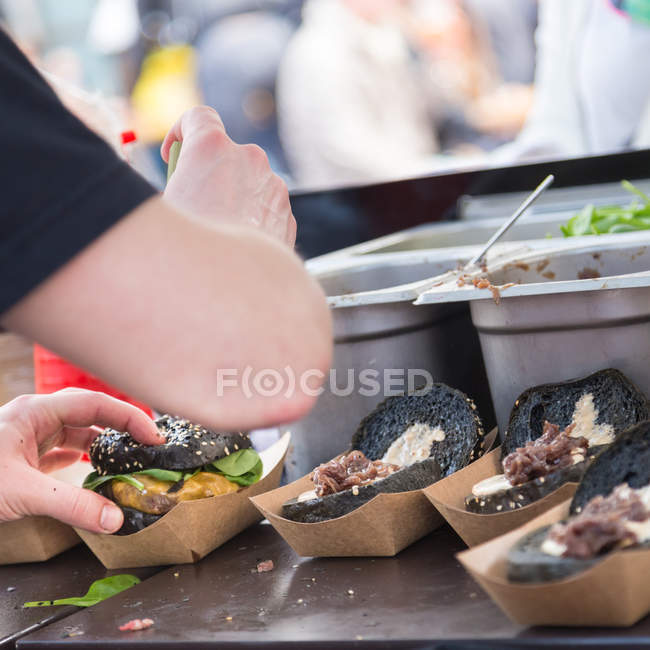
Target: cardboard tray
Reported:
[(382, 527), (34, 539), (448, 496), (192, 529), (614, 592)]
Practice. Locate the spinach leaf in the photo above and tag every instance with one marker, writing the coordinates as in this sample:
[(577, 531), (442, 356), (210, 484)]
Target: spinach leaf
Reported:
[(94, 480), (98, 591), (237, 463), (250, 477), (162, 474), (243, 467)]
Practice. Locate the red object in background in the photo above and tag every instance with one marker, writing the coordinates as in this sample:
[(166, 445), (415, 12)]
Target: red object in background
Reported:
[(52, 373), (128, 136)]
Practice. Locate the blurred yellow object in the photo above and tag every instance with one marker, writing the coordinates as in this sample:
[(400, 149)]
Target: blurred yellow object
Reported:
[(165, 88)]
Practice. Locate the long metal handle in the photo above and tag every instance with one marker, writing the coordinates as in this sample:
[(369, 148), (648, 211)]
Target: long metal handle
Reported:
[(520, 210)]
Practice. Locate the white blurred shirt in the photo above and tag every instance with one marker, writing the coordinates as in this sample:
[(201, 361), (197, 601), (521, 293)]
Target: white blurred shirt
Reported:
[(350, 104), (592, 83)]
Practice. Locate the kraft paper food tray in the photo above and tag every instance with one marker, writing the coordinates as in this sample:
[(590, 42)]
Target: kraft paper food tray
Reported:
[(613, 592), (448, 496), (381, 527), (34, 539), (192, 529)]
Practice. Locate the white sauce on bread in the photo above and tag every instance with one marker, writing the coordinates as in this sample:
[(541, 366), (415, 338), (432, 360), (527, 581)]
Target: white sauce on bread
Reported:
[(413, 445), (584, 419), (491, 485)]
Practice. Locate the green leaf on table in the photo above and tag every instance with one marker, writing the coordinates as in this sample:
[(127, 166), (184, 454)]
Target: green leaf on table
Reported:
[(99, 590)]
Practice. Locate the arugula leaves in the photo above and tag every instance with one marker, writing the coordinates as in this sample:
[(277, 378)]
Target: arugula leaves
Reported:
[(243, 467), (98, 591), (609, 219)]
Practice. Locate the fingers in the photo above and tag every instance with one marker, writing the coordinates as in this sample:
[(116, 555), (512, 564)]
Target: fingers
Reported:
[(57, 414), (189, 123), (44, 495), (58, 459)]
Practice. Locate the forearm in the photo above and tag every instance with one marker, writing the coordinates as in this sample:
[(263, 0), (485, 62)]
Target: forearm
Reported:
[(160, 303)]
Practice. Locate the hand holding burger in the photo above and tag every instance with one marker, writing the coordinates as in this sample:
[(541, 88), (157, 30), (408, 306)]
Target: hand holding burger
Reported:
[(42, 433)]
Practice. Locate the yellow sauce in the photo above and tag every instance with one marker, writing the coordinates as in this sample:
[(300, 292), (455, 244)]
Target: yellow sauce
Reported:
[(155, 499)]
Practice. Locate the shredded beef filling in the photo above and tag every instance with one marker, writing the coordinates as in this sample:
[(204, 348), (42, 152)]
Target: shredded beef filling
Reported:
[(553, 450), (347, 471), (601, 525)]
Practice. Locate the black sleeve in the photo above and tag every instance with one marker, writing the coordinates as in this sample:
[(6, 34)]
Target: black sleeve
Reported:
[(61, 185)]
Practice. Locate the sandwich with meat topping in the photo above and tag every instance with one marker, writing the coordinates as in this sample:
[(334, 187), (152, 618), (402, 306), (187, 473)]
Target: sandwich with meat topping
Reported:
[(609, 512), (407, 443), (554, 433), (147, 481)]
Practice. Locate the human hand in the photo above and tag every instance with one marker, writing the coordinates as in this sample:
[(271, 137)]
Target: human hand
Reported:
[(42, 433), (216, 178)]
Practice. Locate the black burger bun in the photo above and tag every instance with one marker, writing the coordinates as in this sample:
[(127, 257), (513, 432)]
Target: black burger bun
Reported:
[(441, 407), (522, 495), (626, 460), (415, 477), (619, 402), (187, 446)]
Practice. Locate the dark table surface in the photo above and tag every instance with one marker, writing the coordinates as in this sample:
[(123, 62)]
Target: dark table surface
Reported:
[(420, 599), (69, 574)]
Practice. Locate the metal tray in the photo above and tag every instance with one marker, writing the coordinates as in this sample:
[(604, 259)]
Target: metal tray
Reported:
[(571, 311)]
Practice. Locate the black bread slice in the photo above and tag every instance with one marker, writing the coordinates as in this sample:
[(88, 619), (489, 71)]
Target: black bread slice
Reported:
[(188, 446), (134, 520), (414, 477), (450, 409), (528, 563), (626, 460), (618, 401), (522, 495)]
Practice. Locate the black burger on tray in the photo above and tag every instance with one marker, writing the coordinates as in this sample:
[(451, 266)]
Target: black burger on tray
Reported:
[(407, 443), (610, 511), (554, 433), (147, 481)]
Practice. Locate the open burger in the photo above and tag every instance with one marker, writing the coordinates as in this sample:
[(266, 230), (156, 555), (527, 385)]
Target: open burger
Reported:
[(147, 481)]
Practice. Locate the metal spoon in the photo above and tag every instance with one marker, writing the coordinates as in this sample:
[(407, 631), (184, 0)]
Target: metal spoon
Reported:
[(476, 260)]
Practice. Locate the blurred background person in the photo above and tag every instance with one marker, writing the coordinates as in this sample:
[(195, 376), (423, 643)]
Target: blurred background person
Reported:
[(351, 105), (372, 90), (592, 81)]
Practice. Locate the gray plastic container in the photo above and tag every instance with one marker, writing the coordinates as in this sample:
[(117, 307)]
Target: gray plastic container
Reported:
[(395, 335)]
